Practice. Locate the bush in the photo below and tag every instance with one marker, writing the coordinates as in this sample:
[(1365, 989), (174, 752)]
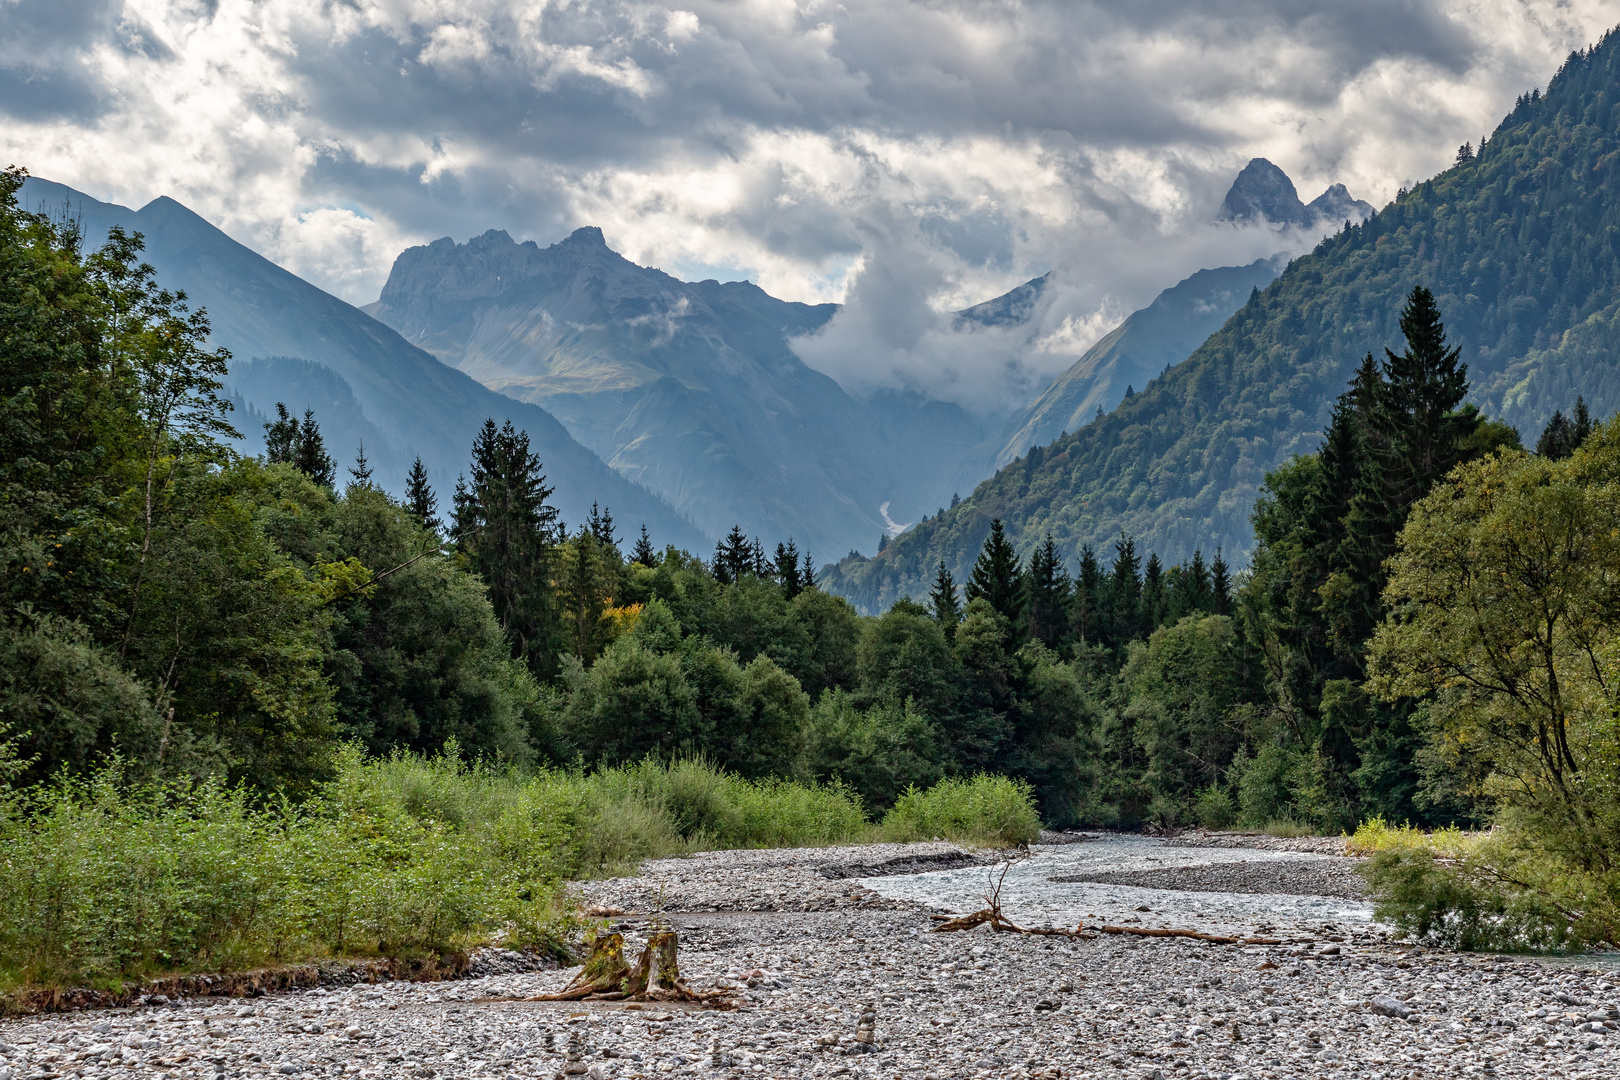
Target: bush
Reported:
[(1214, 808), (983, 810)]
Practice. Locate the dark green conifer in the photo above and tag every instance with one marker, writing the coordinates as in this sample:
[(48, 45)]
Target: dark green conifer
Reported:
[(1155, 600), (1125, 591), (1089, 613), (788, 574), (310, 456), (643, 552), (1220, 585), (947, 606), (996, 577), (1049, 594), (360, 472), (419, 498)]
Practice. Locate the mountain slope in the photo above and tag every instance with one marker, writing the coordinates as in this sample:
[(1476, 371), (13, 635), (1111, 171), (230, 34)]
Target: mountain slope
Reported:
[(689, 388), (1519, 245), (400, 400), (1129, 356)]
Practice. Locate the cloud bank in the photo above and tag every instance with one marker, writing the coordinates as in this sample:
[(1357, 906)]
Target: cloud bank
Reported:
[(906, 156)]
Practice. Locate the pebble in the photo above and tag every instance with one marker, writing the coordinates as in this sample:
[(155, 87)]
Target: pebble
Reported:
[(831, 987)]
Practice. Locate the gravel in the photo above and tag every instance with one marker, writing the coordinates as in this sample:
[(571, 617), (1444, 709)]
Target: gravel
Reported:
[(1336, 1000)]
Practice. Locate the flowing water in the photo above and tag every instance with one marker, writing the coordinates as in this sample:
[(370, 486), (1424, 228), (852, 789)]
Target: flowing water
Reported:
[(1029, 897)]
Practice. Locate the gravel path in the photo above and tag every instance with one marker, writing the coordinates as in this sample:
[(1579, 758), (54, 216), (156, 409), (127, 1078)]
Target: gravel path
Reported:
[(1335, 1001)]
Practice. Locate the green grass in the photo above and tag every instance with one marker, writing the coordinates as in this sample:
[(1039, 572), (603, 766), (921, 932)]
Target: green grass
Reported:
[(1376, 835), (401, 856)]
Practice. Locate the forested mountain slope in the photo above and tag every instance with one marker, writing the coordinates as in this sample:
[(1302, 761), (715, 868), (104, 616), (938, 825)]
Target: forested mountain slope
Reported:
[(1521, 246), (1129, 356), (689, 388), (398, 399)]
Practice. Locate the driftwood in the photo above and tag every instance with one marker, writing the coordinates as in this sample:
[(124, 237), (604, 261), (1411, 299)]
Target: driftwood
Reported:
[(656, 977), (991, 915), (1218, 939)]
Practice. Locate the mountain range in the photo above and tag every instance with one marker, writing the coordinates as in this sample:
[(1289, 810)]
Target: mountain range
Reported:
[(1517, 244), (688, 388), (293, 343)]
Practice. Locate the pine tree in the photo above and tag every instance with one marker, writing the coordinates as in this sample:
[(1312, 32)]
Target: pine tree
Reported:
[(1125, 591), (506, 533), (809, 571), (1557, 438), (643, 552), (1583, 421), (788, 574), (1220, 584), (1050, 594), (759, 566), (281, 437), (360, 473), (584, 593), (947, 605), (1090, 599), (1155, 600), (419, 498), (601, 526), (996, 577), (310, 456), (733, 557)]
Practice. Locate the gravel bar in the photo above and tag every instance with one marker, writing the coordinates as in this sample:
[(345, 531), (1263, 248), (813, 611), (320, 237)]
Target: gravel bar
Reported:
[(807, 955)]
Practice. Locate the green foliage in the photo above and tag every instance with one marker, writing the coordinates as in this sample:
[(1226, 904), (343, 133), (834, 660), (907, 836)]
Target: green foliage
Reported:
[(878, 751), (981, 809)]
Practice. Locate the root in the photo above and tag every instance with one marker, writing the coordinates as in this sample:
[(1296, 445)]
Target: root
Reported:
[(998, 922), (656, 976)]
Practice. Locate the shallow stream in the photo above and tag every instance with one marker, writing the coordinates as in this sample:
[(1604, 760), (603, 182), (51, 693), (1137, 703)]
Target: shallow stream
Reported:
[(1030, 897)]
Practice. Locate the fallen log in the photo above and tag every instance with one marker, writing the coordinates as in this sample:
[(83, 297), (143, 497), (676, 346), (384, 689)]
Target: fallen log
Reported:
[(1196, 935)]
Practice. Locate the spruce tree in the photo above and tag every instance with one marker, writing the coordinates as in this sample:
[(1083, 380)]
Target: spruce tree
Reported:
[(996, 577), (360, 472), (788, 574), (1049, 595), (506, 533), (1220, 585), (419, 498), (1125, 591), (733, 557), (1155, 601), (643, 552), (600, 524), (1090, 599), (809, 571), (281, 437), (309, 454), (947, 606)]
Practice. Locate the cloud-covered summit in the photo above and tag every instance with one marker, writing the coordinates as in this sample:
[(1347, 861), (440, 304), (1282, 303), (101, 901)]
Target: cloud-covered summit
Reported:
[(909, 157)]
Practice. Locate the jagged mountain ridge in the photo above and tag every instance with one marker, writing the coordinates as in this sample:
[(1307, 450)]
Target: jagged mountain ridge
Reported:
[(290, 341), (1516, 244), (1263, 192), (689, 388)]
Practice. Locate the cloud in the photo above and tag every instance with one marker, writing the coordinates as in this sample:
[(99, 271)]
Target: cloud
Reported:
[(909, 156)]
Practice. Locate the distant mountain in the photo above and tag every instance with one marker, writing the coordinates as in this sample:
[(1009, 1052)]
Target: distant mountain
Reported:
[(1262, 191), (1517, 245), (689, 388), (292, 342), (1133, 353)]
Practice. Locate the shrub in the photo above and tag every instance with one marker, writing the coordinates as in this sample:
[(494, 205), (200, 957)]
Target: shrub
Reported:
[(984, 810)]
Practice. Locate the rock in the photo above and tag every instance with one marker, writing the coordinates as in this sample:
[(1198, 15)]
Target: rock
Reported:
[(1388, 1006)]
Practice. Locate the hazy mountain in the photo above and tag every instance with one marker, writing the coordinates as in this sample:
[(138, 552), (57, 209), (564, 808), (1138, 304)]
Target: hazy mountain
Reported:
[(1517, 246), (292, 342), (1262, 191), (1150, 340), (689, 388)]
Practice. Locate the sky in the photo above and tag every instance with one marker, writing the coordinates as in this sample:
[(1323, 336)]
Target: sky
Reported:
[(904, 157)]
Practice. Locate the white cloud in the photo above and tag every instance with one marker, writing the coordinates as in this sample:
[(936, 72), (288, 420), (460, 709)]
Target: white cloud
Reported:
[(907, 155)]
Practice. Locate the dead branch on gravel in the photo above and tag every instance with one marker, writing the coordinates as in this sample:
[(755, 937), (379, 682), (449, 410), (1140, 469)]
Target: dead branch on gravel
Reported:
[(991, 914), (1196, 935), (656, 977)]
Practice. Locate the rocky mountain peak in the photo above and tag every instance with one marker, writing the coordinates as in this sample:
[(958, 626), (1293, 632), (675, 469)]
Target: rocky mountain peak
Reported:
[(1263, 192)]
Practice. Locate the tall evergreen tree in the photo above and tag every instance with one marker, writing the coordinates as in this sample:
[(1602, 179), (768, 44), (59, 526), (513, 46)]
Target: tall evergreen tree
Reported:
[(1220, 585), (733, 557), (1049, 594), (310, 456), (1155, 600), (1090, 611), (360, 472), (600, 524), (996, 577), (1125, 591), (281, 437), (419, 498), (643, 552), (788, 573), (506, 533), (947, 606), (1563, 435)]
